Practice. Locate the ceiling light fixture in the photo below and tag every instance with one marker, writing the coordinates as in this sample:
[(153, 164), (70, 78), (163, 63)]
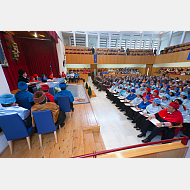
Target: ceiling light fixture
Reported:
[(35, 34)]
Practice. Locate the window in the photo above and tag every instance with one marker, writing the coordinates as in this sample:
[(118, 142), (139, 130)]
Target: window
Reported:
[(147, 44), (103, 43), (133, 44), (80, 41)]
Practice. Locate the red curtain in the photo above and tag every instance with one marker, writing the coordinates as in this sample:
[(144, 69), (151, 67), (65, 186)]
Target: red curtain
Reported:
[(39, 54), (11, 72), (54, 35), (34, 57)]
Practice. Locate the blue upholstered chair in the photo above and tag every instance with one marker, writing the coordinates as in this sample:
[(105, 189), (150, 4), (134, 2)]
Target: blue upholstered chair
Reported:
[(44, 123), (64, 104), (24, 103), (14, 128)]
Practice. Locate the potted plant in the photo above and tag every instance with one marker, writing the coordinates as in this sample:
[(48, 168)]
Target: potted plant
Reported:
[(86, 85), (89, 91)]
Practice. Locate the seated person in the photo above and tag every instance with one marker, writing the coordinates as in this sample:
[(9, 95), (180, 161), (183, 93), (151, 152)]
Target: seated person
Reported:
[(32, 79), (9, 107), (51, 76), (22, 76), (24, 93), (44, 78), (65, 92), (154, 95), (150, 109), (36, 77), (132, 95), (45, 89), (172, 95), (41, 104), (147, 92), (162, 92), (165, 101), (76, 76), (63, 75), (177, 93), (167, 117)]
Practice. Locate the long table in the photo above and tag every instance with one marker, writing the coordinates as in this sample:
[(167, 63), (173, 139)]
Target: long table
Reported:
[(53, 84)]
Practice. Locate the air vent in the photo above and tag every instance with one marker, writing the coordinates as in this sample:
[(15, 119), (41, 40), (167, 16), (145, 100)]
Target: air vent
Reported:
[(104, 34), (137, 35), (115, 34)]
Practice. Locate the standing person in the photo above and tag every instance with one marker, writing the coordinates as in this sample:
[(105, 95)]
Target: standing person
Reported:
[(65, 92), (92, 49), (76, 77), (155, 51), (41, 104)]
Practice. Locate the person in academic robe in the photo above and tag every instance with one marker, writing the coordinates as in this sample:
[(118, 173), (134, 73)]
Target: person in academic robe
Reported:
[(22, 76), (165, 101), (41, 104), (45, 89), (167, 89), (9, 107), (150, 109), (63, 75), (36, 77), (147, 92), (44, 78), (172, 95), (177, 93), (132, 95), (65, 92), (154, 95), (169, 117), (24, 93), (32, 79), (51, 75)]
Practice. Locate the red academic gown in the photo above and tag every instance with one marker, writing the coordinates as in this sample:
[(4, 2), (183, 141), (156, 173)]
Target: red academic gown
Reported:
[(152, 98), (50, 77), (51, 97), (63, 75)]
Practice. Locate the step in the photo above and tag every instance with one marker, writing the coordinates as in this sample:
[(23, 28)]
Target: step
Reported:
[(89, 144), (99, 143)]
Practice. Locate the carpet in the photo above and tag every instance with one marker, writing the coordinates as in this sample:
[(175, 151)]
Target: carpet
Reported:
[(79, 93)]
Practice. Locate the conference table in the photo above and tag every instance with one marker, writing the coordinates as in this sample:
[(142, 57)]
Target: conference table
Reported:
[(52, 85)]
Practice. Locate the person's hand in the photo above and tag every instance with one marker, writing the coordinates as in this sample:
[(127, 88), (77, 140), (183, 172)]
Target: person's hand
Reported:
[(149, 118), (159, 125), (131, 104)]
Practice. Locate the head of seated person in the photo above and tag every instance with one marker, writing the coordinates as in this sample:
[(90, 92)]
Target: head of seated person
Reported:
[(63, 86), (8, 100), (22, 86), (39, 97)]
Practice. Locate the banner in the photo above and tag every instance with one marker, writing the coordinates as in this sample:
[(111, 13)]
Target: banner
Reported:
[(95, 58), (3, 59)]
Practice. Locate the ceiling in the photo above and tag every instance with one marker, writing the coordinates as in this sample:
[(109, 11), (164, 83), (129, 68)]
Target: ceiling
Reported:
[(42, 35)]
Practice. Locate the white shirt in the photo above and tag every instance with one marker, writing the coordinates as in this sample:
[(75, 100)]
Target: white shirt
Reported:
[(22, 112)]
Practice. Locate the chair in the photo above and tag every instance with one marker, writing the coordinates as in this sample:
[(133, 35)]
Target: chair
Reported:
[(64, 103), (14, 128), (24, 103), (44, 123)]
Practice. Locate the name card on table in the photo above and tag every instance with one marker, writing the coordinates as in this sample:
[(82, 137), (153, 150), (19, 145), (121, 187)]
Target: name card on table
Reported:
[(116, 95), (127, 104), (124, 100)]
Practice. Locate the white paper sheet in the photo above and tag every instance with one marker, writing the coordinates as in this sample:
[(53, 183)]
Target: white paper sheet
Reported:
[(133, 108), (154, 121)]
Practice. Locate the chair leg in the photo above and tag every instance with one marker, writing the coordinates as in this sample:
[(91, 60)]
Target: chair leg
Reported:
[(28, 141), (11, 146), (55, 134), (40, 138)]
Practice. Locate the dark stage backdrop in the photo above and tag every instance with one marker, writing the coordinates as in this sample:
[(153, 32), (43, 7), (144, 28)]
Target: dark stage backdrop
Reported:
[(34, 57)]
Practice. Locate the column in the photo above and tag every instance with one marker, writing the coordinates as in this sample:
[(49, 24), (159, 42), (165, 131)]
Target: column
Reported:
[(69, 41), (109, 40), (140, 41), (74, 37), (183, 37), (170, 38), (159, 44), (120, 41), (150, 41), (98, 41), (86, 39), (130, 41)]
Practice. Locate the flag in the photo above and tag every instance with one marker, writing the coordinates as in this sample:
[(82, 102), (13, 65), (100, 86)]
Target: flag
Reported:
[(50, 67), (95, 58)]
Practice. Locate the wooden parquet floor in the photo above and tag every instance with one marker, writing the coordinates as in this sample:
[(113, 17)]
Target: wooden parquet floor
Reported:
[(80, 135)]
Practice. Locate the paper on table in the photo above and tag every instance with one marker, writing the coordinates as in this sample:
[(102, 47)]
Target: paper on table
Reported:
[(154, 121), (116, 95), (127, 104), (124, 100), (133, 108)]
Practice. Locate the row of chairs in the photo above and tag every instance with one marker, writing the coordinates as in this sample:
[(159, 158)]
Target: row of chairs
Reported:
[(43, 126)]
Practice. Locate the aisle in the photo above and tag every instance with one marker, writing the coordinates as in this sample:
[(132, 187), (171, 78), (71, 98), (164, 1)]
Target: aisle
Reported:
[(115, 129)]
